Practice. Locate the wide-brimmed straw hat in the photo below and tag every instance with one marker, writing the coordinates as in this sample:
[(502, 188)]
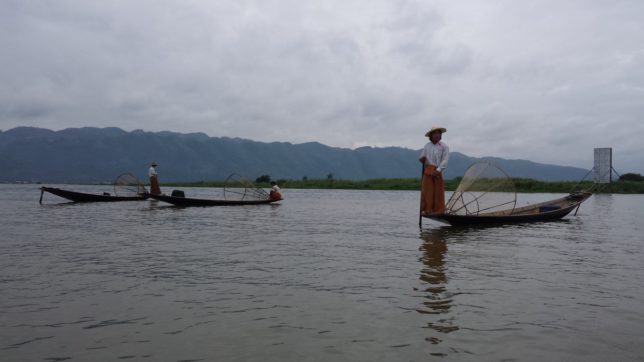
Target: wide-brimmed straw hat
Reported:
[(434, 129)]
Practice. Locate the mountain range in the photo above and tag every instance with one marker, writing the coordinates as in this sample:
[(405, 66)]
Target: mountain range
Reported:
[(91, 155)]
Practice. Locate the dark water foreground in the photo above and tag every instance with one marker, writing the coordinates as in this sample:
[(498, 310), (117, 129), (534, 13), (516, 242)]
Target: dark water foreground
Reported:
[(325, 276)]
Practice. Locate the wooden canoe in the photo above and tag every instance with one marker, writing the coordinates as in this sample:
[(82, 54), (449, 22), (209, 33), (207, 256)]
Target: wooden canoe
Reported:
[(544, 211), (84, 197), (187, 201)]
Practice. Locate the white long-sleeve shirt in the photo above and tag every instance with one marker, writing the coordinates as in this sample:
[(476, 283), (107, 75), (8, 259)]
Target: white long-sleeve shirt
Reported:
[(436, 155), (152, 172)]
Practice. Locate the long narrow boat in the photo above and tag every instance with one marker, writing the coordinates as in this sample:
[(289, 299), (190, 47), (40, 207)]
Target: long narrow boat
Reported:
[(85, 197), (187, 201), (544, 211)]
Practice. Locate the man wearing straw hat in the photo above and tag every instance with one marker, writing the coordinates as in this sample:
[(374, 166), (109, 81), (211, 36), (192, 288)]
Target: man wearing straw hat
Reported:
[(434, 158), (154, 182)]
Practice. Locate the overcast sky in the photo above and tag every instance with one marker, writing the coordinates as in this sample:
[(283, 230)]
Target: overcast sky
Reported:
[(541, 80)]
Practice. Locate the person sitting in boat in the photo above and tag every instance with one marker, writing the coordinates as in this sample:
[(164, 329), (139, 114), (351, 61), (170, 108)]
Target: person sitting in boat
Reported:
[(154, 182), (434, 158), (275, 191)]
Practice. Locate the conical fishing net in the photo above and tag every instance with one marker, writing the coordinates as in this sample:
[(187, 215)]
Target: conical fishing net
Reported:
[(128, 185), (239, 189), (485, 188)]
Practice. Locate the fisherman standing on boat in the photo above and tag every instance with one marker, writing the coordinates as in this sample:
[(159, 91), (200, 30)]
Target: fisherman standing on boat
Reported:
[(434, 158), (154, 182)]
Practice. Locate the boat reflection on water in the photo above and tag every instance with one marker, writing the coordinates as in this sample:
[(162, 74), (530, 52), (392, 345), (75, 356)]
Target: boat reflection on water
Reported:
[(438, 298)]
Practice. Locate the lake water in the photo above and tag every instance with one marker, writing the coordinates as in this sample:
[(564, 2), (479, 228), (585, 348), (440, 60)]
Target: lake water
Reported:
[(327, 275)]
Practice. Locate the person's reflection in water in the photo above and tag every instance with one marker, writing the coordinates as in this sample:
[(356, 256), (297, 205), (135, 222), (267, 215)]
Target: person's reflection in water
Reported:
[(439, 300)]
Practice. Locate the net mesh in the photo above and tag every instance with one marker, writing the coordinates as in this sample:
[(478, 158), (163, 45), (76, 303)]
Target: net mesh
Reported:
[(128, 185), (484, 188), (237, 188)]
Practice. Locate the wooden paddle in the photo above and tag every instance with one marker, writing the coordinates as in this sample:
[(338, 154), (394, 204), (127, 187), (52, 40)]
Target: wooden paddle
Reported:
[(420, 213)]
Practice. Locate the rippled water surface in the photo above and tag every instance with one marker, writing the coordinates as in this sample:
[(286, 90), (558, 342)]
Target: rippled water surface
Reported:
[(326, 275)]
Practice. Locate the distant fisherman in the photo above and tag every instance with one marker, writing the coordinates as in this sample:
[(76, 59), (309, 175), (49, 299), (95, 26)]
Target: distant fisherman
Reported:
[(275, 191), (434, 159), (154, 182)]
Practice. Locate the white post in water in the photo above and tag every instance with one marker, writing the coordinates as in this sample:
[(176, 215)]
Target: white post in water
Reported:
[(603, 169)]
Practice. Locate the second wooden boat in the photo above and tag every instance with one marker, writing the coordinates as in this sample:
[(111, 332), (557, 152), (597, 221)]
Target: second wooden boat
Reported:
[(237, 191), (188, 201)]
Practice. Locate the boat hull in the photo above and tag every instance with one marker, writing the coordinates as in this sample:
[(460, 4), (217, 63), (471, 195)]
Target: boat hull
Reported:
[(187, 201), (84, 197), (523, 215)]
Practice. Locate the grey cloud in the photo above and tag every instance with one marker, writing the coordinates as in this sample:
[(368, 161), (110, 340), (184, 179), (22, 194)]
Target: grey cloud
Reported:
[(508, 79)]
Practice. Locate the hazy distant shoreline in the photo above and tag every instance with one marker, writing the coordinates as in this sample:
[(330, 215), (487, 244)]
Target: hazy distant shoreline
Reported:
[(521, 185)]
